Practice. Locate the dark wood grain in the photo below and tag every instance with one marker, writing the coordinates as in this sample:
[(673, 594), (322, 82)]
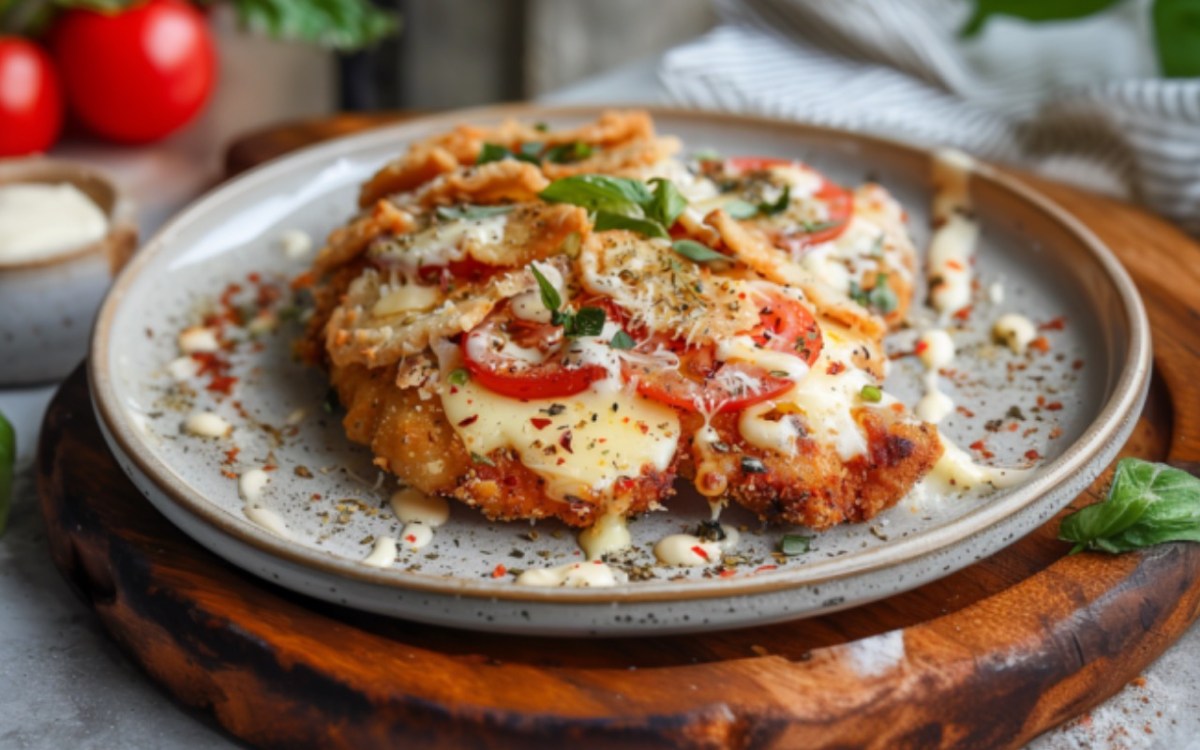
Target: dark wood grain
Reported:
[(992, 656)]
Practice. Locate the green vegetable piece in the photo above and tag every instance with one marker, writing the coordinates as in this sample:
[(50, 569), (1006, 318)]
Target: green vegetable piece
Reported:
[(530, 152), (479, 458), (622, 340), (872, 394), (740, 209), (1177, 37), (569, 153), (606, 220), (667, 204), (598, 192), (780, 204), (549, 294), (8, 459), (698, 253), (1032, 10), (589, 321), (459, 376), (795, 544), (492, 152), (879, 298), (1147, 504)]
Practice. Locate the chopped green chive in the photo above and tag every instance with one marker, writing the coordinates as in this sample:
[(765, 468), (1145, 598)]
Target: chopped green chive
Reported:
[(871, 394), (698, 253), (479, 458), (795, 544), (459, 376)]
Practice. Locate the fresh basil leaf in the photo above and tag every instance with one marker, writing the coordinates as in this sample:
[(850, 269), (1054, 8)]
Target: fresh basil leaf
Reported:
[(549, 294), (740, 209), (795, 544), (569, 153), (471, 213), (780, 204), (492, 152), (541, 127), (339, 24), (530, 152), (879, 298), (622, 340), (598, 192), (698, 253), (606, 220), (589, 321), (1032, 10), (1177, 37), (812, 227), (667, 204), (8, 459), (1147, 504)]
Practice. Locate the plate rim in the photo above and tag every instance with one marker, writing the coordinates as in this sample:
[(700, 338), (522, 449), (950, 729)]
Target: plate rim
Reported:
[(1127, 393)]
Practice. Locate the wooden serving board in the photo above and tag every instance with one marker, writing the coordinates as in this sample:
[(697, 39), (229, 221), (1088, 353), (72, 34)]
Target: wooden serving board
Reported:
[(988, 657)]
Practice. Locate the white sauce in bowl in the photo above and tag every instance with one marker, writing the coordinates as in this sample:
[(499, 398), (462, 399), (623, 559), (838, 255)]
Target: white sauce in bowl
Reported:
[(39, 221)]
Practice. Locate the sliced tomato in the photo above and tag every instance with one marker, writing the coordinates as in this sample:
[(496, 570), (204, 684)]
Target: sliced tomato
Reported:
[(838, 200), (516, 378), (703, 384), (786, 325)]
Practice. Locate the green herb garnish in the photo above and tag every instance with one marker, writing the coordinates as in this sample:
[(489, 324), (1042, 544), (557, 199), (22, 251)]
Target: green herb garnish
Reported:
[(698, 253), (1147, 504), (872, 394), (667, 204), (492, 152), (479, 458), (587, 321), (781, 203), (459, 376), (568, 153), (606, 220), (622, 340), (740, 209), (795, 544), (879, 298), (470, 213)]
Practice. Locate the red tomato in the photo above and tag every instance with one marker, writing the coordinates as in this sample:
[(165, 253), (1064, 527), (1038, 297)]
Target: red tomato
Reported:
[(515, 378), (840, 203), (137, 75), (702, 384), (30, 98)]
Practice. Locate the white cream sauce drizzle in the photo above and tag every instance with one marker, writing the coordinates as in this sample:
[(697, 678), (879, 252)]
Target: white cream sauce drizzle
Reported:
[(687, 550), (269, 520), (206, 424), (420, 513), (251, 485), (952, 247), (609, 534), (955, 471), (383, 554), (593, 574), (936, 350), (1015, 331)]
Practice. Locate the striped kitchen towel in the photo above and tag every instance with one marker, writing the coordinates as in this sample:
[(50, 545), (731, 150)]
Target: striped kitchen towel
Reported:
[(1076, 101)]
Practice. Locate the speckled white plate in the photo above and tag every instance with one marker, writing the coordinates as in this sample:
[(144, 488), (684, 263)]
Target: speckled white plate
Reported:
[(1048, 264)]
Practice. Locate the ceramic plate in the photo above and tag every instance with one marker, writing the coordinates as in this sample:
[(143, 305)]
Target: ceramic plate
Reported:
[(1073, 405)]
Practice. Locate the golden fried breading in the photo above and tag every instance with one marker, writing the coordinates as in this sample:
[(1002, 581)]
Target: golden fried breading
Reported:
[(348, 242), (815, 487)]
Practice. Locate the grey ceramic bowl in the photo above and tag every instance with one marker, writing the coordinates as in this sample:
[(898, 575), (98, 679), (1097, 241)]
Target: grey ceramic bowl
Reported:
[(1049, 264), (49, 304)]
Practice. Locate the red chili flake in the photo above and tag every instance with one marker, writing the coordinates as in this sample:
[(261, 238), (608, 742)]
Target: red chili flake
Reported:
[(222, 384), (1041, 400), (412, 539), (700, 552), (645, 428), (978, 445), (453, 390), (623, 486), (500, 571), (270, 467), (231, 454), (1012, 427), (540, 423), (1077, 364), (764, 568), (253, 277), (954, 264), (965, 412), (835, 368), (565, 441), (921, 346), (560, 461), (1054, 406), (1054, 324), (625, 420), (1056, 433), (963, 314), (315, 496), (1032, 455), (727, 572), (1041, 344), (468, 420), (229, 474)]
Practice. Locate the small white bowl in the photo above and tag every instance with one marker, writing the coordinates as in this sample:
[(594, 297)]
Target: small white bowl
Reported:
[(49, 304)]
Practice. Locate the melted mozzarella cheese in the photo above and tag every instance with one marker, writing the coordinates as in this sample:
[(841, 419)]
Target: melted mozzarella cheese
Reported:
[(406, 298), (955, 471), (826, 398), (581, 444), (609, 534), (743, 348), (440, 244)]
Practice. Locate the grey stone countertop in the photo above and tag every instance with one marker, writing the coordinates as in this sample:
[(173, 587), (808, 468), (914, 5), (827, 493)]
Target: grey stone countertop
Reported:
[(64, 683)]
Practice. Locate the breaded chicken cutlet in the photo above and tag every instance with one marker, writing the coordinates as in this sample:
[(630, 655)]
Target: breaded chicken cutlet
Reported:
[(559, 323)]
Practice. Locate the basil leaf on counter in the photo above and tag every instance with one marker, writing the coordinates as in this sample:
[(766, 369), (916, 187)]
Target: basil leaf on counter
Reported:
[(606, 220), (698, 253), (1147, 504)]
